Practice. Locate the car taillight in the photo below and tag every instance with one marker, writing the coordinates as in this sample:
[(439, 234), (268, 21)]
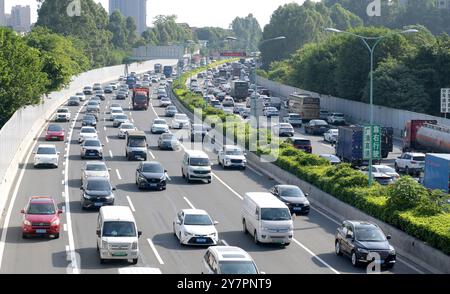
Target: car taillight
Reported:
[(55, 222)]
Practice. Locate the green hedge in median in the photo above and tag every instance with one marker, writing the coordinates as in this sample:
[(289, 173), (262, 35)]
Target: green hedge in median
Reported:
[(406, 204)]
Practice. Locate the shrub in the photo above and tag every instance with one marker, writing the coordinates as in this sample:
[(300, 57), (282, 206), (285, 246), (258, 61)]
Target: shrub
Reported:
[(405, 194)]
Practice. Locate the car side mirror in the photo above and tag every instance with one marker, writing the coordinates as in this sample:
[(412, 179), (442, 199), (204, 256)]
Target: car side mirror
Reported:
[(245, 153), (389, 237), (139, 234), (165, 170), (60, 211), (109, 169), (216, 223), (306, 195), (22, 211), (98, 233)]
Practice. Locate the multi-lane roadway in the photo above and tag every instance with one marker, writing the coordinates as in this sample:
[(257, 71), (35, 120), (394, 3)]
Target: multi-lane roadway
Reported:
[(312, 252)]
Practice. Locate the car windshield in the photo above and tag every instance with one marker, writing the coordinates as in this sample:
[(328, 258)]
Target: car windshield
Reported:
[(92, 143), (138, 142), (41, 209), (171, 108), (152, 168), (88, 117), (419, 158), (168, 136), (369, 234), (46, 150), (88, 131), (96, 167), (121, 117), (199, 162), (119, 229), (294, 116), (63, 110), (54, 128), (386, 170), (291, 192), (74, 98), (197, 220), (334, 132), (126, 127), (98, 185), (160, 122), (320, 123), (234, 152), (275, 214), (237, 267)]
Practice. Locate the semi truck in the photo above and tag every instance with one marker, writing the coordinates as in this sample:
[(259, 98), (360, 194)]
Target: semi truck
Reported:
[(349, 145), (437, 172), (239, 90), (141, 98), (426, 136), (168, 70)]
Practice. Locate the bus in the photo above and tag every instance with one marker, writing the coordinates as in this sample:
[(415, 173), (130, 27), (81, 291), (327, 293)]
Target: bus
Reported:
[(306, 106), (158, 68), (168, 70)]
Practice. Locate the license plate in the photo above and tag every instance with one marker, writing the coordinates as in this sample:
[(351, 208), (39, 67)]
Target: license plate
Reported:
[(297, 208), (98, 204), (201, 240), (55, 137), (153, 185), (41, 231), (120, 254)]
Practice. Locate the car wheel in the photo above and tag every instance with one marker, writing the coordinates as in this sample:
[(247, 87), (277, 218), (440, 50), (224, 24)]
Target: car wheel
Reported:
[(355, 262), (407, 170), (24, 236), (255, 238), (56, 236), (390, 265), (337, 248), (209, 181), (244, 227), (286, 244), (135, 261), (102, 260), (396, 168)]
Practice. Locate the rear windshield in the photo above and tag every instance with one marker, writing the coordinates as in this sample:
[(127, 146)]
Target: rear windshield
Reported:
[(419, 158), (92, 143), (88, 131), (54, 128), (302, 142), (46, 150)]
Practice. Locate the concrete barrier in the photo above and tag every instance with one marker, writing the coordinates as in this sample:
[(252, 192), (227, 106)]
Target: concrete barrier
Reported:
[(412, 248)]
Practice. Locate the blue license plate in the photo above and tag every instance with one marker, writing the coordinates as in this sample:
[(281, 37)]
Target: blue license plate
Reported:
[(153, 185), (297, 208), (98, 204), (41, 231), (201, 240)]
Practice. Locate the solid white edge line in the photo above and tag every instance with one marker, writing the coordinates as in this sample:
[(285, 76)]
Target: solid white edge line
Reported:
[(13, 200), (189, 203), (131, 204), (65, 227), (158, 257), (315, 256), (118, 175), (255, 171)]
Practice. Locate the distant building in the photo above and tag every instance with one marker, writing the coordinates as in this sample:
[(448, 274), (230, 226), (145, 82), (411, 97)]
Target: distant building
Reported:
[(137, 9), (2, 13), (20, 18), (443, 4)]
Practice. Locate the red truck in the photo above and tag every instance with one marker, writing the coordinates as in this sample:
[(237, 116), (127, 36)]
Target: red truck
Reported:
[(426, 136), (141, 98)]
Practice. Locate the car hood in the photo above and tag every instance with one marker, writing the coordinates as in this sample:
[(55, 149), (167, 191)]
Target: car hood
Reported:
[(238, 157), (201, 230), (35, 218), (93, 148), (98, 193), (300, 200), (374, 245), (119, 240), (153, 175)]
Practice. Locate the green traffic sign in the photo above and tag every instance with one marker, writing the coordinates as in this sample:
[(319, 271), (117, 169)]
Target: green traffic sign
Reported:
[(375, 137)]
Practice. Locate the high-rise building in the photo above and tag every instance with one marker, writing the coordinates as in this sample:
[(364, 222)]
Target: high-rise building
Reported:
[(134, 8), (20, 19), (2, 13)]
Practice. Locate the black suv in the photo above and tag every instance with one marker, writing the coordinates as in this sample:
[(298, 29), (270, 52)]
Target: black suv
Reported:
[(364, 243), (316, 127), (300, 143)]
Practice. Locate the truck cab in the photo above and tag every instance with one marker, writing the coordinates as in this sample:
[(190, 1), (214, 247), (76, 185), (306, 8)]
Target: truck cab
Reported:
[(136, 148), (141, 98)]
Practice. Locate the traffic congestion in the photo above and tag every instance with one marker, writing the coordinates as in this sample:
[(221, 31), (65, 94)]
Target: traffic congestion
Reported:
[(116, 175)]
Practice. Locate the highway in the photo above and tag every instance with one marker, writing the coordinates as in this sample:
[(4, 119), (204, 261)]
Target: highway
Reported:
[(312, 252)]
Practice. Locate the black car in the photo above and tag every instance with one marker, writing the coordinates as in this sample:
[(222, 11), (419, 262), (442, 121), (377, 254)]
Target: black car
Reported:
[(121, 95), (317, 127), (89, 120), (96, 192), (293, 197), (364, 243), (151, 175)]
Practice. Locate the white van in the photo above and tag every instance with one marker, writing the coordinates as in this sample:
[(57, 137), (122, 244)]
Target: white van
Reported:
[(117, 234), (267, 218), (196, 166)]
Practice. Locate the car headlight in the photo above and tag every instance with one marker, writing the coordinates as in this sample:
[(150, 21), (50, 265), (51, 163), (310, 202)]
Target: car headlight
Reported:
[(134, 246), (85, 196), (188, 234), (362, 250), (214, 234), (104, 244), (109, 197), (392, 251), (27, 223), (55, 222)]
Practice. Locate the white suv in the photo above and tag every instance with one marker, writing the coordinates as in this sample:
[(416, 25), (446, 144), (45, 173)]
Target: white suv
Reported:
[(228, 260), (336, 118), (181, 121), (46, 155), (410, 163), (232, 156), (62, 114)]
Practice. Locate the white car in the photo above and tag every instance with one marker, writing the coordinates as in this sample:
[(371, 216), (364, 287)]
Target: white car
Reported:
[(114, 85), (228, 260), (336, 118), (181, 121), (195, 227), (159, 126), (115, 112), (331, 135), (164, 102), (294, 119), (232, 156), (95, 169), (124, 129), (283, 130), (87, 133), (62, 114), (81, 96), (387, 170), (270, 111), (46, 155), (410, 163)]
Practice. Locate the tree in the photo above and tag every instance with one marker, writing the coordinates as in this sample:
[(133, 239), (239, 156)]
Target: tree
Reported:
[(21, 78), (61, 60), (131, 31), (117, 26), (248, 32)]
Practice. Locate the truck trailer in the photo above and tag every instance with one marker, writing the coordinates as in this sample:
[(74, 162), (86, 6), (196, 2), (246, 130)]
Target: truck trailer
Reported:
[(437, 172), (426, 136)]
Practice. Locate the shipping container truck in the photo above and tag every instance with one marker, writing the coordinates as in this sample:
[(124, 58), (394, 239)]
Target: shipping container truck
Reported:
[(349, 146), (437, 172), (426, 136)]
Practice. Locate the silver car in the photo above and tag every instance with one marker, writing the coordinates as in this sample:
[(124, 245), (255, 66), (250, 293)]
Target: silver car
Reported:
[(95, 169), (91, 148), (120, 119)]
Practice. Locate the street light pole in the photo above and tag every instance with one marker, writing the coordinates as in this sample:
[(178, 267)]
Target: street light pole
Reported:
[(371, 50)]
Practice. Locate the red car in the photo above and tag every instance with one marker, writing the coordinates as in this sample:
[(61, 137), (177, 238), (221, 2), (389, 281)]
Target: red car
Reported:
[(41, 217), (54, 132)]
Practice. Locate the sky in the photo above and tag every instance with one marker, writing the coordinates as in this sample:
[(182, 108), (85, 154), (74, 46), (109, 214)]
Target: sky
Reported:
[(197, 13)]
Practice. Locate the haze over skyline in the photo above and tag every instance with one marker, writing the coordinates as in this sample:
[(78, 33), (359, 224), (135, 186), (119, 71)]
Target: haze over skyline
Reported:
[(197, 13)]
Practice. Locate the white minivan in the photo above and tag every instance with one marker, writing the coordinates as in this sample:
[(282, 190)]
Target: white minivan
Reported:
[(267, 218), (117, 234), (196, 166)]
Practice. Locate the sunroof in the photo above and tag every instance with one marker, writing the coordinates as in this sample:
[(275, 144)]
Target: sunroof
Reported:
[(233, 256)]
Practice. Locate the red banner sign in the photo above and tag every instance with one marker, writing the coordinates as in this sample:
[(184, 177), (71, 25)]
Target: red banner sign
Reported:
[(233, 54)]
